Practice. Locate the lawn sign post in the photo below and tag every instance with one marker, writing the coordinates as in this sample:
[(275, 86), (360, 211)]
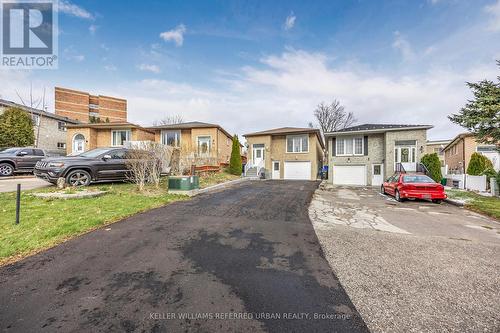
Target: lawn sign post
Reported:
[(18, 202)]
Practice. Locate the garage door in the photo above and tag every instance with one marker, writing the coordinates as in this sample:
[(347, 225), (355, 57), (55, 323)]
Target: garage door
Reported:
[(298, 170), (349, 174)]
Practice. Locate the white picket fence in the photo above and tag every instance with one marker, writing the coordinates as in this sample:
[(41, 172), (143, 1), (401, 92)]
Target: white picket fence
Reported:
[(468, 182)]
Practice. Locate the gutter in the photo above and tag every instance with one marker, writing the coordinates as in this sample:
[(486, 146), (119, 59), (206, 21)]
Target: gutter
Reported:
[(378, 130)]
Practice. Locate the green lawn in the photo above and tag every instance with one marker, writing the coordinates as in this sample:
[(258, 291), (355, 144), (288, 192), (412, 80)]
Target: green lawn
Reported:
[(210, 179), (486, 205), (45, 223)]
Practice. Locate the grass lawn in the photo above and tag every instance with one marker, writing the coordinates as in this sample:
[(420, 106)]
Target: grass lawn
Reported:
[(486, 205), (210, 179), (47, 222)]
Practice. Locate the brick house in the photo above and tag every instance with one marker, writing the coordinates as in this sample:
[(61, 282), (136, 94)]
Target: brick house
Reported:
[(367, 154), (197, 140), (82, 106), (437, 146), (285, 153), (458, 152), (49, 128), (83, 137)]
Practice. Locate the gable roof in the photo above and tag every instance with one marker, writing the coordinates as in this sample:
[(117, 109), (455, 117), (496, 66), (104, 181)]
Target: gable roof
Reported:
[(289, 130), (112, 125), (377, 128), (189, 125), (9, 104), (455, 140)]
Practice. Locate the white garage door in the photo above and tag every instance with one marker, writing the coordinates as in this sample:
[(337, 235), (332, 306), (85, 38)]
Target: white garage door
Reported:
[(349, 174), (298, 170)]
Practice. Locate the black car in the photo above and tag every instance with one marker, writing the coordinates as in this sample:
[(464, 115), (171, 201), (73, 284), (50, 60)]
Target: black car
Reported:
[(13, 160), (97, 165)]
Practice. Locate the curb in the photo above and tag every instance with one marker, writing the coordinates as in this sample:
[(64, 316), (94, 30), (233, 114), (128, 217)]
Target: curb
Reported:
[(454, 203), (212, 188), (17, 177)]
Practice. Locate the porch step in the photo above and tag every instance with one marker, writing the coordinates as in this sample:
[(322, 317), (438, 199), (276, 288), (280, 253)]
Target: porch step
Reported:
[(252, 172)]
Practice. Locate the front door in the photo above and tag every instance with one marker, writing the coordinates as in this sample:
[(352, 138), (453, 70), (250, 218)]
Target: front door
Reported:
[(406, 156), (78, 144), (377, 174), (258, 154), (276, 170)]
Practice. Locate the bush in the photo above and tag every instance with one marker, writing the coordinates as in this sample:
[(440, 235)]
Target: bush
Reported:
[(235, 161), (16, 128), (491, 173), (433, 164), (478, 164)]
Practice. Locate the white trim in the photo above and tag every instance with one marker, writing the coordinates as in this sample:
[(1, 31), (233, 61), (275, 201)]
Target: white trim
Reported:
[(353, 146), (272, 169), (209, 145), (128, 137), (73, 143), (381, 130), (162, 131), (297, 136)]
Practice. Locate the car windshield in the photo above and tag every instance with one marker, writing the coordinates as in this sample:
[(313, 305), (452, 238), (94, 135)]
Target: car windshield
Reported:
[(94, 152), (9, 150), (417, 179)]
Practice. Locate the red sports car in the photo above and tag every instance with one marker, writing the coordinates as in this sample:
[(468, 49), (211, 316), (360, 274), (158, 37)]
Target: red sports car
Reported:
[(403, 186)]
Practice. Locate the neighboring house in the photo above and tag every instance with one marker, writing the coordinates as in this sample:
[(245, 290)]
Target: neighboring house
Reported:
[(49, 128), (285, 153), (82, 106), (203, 143), (83, 137), (437, 146), (458, 152), (367, 154)]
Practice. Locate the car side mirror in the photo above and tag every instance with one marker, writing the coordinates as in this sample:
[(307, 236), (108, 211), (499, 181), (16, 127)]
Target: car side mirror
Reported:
[(22, 153), (106, 157)]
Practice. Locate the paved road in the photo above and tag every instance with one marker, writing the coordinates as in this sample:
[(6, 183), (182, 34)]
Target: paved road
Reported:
[(246, 251), (413, 266), (31, 183)]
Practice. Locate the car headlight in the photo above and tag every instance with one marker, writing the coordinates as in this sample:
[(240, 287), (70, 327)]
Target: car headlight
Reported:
[(56, 164)]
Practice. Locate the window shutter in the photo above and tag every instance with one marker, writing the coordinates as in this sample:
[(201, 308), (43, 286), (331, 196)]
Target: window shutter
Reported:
[(365, 144), (334, 147)]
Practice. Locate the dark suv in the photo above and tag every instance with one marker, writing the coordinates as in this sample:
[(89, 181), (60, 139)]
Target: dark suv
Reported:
[(19, 160), (97, 165)]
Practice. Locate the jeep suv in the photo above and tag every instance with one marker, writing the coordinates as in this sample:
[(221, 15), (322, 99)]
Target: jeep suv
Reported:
[(97, 165), (13, 160)]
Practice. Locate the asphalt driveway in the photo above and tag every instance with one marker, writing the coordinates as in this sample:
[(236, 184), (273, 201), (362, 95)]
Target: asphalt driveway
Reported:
[(243, 259), (413, 266)]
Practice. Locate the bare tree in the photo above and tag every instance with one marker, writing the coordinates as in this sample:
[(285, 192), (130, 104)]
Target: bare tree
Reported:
[(146, 162), (332, 117), (34, 104), (169, 120)]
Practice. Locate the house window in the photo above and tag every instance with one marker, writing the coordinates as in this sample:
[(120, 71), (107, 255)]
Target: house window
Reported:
[(93, 106), (61, 125), (119, 137), (204, 145), (486, 149), (297, 144), (36, 119), (61, 145), (350, 146), (171, 138)]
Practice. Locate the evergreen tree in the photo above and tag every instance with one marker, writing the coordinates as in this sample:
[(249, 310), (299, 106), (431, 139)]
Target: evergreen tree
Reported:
[(478, 164), (235, 161), (16, 128), (432, 163)]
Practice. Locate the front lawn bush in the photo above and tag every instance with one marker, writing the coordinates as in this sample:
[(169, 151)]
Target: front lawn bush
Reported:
[(478, 164), (433, 164)]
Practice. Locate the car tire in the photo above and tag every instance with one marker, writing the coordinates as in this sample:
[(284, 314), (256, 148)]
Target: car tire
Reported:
[(78, 178), (437, 201), (398, 196), (382, 189), (6, 170)]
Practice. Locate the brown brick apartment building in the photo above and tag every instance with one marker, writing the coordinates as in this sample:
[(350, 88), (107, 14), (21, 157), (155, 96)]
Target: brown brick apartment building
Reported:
[(82, 106)]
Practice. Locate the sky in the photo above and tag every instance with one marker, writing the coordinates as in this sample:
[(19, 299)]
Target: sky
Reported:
[(255, 65)]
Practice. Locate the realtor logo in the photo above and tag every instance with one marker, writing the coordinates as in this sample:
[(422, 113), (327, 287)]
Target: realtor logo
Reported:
[(29, 34)]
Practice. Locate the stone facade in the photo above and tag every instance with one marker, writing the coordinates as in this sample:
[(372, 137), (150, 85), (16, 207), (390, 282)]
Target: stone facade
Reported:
[(81, 106), (275, 149), (381, 147)]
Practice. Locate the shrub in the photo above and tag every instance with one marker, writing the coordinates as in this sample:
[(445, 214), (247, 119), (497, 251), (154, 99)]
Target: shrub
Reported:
[(478, 164), (433, 164), (235, 161), (16, 128)]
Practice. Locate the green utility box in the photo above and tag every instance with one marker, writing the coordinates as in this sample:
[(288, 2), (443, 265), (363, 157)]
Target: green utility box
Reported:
[(183, 183)]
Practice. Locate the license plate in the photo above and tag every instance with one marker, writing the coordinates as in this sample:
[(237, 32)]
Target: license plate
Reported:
[(427, 196)]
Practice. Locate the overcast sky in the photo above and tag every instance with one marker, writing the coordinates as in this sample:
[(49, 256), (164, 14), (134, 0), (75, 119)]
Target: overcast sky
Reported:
[(251, 65)]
